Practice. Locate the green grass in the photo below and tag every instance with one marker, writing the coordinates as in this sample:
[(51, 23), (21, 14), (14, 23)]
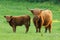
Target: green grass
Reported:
[(20, 8)]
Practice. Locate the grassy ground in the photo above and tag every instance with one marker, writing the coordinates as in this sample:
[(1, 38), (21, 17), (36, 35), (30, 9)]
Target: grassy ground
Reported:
[(20, 8)]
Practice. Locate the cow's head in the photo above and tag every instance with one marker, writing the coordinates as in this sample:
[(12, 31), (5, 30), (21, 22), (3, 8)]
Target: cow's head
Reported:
[(35, 11)]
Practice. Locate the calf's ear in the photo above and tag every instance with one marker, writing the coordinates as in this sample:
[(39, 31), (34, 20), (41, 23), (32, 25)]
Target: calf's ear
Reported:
[(10, 18)]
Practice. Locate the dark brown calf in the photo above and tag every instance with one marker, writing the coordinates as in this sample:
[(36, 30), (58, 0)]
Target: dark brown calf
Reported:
[(18, 21)]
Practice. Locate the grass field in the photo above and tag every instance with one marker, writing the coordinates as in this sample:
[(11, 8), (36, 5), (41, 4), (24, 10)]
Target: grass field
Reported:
[(20, 8)]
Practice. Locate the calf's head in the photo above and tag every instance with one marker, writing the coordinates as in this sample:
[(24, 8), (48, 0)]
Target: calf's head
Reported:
[(8, 18)]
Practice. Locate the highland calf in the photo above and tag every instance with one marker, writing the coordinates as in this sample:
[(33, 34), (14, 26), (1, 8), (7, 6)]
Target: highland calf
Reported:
[(18, 21), (42, 18)]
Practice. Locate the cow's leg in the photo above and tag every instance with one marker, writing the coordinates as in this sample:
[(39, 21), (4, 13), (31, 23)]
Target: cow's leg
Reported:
[(14, 28), (36, 29), (35, 25), (39, 28), (49, 27), (46, 29)]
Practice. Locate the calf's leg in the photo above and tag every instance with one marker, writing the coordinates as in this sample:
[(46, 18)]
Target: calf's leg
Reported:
[(27, 27), (14, 28)]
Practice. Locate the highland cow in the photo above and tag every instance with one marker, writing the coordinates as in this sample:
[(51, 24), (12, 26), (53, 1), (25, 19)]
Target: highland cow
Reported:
[(42, 18)]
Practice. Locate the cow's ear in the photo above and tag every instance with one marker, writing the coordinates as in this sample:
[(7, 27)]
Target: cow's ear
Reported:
[(32, 10)]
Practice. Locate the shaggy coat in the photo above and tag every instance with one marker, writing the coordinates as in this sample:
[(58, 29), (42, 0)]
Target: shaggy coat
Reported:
[(18, 21), (42, 18)]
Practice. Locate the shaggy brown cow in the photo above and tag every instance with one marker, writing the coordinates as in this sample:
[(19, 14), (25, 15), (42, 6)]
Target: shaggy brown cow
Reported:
[(42, 18), (18, 21)]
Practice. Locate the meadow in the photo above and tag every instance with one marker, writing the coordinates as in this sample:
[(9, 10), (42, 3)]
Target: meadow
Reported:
[(20, 8)]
